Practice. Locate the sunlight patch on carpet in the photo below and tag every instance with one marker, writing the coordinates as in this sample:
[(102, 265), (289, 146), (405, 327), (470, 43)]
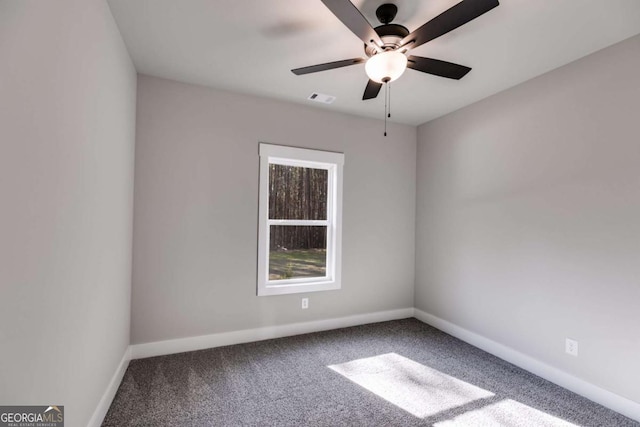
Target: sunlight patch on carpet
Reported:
[(505, 413), (418, 389)]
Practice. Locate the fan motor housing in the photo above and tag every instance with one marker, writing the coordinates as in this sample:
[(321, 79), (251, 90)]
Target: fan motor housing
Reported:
[(391, 35)]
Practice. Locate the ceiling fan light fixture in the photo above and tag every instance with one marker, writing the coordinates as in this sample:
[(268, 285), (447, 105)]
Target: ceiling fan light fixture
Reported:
[(386, 66)]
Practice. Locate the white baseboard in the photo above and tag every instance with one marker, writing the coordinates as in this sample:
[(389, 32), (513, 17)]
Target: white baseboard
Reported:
[(110, 392), (159, 348), (599, 395)]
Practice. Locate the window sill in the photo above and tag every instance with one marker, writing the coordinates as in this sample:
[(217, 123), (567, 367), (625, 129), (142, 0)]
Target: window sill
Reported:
[(298, 288)]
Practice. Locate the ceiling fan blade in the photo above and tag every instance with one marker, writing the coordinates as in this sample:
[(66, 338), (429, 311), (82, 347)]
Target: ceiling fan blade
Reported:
[(327, 66), (460, 14), (350, 16), (372, 90), (437, 67)]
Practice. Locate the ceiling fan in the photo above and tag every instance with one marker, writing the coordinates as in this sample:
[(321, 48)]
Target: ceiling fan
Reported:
[(386, 46)]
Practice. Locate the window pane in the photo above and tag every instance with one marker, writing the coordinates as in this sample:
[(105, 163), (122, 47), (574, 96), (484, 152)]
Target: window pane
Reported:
[(297, 251), (297, 193)]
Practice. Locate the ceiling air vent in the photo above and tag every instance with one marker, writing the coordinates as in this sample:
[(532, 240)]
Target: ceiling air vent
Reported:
[(321, 97)]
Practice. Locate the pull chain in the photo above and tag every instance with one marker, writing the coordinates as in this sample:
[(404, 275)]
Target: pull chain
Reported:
[(389, 111), (386, 93), (387, 102)]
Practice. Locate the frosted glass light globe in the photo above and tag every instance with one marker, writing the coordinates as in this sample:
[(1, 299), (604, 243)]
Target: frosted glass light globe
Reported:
[(386, 66)]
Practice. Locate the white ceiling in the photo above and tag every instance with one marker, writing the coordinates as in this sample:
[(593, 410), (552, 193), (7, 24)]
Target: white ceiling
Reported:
[(250, 46)]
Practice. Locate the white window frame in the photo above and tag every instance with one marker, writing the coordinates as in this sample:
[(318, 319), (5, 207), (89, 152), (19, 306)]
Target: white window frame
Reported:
[(301, 157)]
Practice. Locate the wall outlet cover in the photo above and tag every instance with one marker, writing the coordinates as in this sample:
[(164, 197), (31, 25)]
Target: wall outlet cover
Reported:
[(571, 347)]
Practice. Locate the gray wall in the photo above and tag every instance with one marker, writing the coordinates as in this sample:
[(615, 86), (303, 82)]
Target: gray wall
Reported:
[(528, 217), (196, 201), (67, 128)]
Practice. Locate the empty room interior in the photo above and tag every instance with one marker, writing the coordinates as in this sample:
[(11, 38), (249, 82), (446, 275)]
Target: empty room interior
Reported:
[(320, 212)]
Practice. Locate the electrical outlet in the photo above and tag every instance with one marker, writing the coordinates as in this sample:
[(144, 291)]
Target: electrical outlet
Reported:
[(305, 303), (571, 347)]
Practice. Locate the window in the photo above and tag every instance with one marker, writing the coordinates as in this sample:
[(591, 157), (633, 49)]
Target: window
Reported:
[(300, 233)]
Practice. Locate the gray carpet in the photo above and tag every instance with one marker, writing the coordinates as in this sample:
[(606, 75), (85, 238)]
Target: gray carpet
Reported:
[(399, 373)]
